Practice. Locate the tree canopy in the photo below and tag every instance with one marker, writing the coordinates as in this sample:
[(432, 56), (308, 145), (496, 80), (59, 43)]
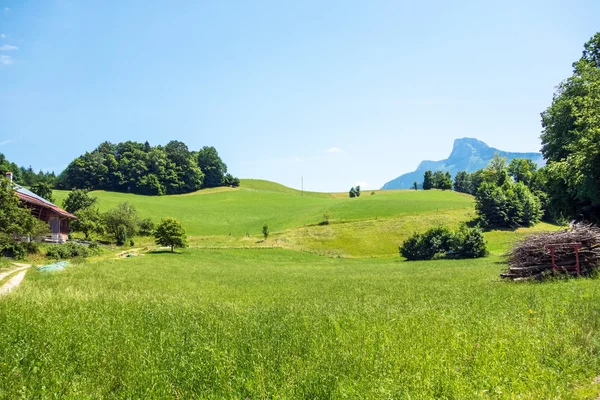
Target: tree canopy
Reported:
[(571, 139), (170, 233), (135, 167)]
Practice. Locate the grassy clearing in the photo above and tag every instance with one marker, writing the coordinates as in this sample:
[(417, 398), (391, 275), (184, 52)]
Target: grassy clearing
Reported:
[(268, 323)]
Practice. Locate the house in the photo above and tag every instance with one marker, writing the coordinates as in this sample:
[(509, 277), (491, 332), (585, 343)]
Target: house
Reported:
[(42, 209)]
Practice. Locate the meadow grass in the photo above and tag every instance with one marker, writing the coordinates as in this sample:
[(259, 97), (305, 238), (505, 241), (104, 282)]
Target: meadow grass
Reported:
[(284, 324), (269, 321), (244, 210)]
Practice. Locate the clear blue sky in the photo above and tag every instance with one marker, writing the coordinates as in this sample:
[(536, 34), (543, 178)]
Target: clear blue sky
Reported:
[(339, 92)]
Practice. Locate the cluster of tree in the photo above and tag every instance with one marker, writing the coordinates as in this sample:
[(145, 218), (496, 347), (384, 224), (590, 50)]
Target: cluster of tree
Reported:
[(507, 196), (441, 242), (26, 176), (152, 170), (354, 191), (571, 140), (437, 180)]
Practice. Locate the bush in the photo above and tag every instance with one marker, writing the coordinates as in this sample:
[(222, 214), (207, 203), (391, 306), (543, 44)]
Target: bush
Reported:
[(440, 242), (71, 250), (469, 243), (426, 246), (121, 235), (145, 227)]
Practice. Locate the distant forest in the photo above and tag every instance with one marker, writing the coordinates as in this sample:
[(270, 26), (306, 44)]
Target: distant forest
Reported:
[(134, 167)]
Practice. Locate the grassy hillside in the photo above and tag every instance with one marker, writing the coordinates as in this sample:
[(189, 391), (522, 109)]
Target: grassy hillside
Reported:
[(365, 226), (284, 324)]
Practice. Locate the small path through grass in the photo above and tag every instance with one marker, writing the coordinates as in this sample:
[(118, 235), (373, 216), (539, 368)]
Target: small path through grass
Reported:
[(15, 280)]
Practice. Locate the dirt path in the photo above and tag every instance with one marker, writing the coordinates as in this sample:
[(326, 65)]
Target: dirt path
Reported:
[(12, 271), (15, 280)]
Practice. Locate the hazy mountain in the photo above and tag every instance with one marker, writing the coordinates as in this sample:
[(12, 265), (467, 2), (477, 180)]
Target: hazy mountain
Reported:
[(468, 154)]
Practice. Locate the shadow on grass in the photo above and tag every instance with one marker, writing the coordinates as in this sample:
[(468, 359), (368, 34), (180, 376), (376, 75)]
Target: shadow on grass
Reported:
[(165, 252)]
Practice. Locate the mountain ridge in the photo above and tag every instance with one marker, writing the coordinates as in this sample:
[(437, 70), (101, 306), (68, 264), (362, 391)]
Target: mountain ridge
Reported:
[(468, 154)]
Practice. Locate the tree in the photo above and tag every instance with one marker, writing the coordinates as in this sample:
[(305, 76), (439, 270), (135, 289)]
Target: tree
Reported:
[(170, 233), (122, 222), (43, 190), (522, 170), (212, 166), (428, 180), (352, 192), (89, 220), (496, 170), (508, 206), (415, 185), (15, 220), (265, 230), (78, 199), (357, 191), (571, 139), (462, 182)]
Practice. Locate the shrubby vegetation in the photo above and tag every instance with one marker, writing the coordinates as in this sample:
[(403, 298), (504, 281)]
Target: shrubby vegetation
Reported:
[(441, 242), (71, 250), (134, 167)]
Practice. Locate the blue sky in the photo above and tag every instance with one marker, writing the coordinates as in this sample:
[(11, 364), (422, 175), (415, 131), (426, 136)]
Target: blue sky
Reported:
[(340, 92)]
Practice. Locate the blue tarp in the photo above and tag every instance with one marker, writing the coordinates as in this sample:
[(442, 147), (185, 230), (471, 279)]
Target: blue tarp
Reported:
[(57, 266)]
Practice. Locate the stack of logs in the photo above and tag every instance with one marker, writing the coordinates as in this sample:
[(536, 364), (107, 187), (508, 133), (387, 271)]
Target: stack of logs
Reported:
[(530, 258)]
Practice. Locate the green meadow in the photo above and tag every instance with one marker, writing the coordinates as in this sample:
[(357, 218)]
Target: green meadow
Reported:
[(319, 312)]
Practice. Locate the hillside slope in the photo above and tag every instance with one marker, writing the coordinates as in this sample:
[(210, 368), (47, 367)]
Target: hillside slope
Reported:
[(467, 155), (369, 225)]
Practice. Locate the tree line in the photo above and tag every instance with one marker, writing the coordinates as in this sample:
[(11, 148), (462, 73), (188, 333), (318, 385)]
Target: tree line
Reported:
[(140, 168), (131, 167)]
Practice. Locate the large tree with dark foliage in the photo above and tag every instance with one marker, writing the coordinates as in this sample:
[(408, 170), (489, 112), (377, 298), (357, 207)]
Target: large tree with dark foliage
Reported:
[(141, 168), (571, 139), (428, 180), (213, 167)]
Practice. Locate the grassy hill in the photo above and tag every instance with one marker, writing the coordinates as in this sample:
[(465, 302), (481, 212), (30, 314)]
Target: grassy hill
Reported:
[(372, 225)]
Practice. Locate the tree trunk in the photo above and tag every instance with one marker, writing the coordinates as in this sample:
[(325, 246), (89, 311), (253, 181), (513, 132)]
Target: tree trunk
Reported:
[(172, 248)]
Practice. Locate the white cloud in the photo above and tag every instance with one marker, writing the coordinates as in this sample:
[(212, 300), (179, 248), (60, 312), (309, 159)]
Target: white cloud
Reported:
[(8, 47), (362, 184), (6, 60), (335, 150), (2, 36), (6, 142)]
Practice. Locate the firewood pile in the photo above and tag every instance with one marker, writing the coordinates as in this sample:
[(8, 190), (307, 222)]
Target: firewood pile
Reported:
[(531, 259)]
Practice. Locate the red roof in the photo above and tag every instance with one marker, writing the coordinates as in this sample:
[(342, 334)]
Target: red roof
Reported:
[(32, 200)]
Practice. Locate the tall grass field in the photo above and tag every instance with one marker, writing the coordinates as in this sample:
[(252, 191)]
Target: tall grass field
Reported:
[(314, 312)]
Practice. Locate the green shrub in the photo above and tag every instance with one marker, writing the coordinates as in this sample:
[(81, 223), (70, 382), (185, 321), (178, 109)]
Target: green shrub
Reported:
[(440, 242), (426, 246), (121, 235), (145, 227), (71, 250), (469, 243)]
